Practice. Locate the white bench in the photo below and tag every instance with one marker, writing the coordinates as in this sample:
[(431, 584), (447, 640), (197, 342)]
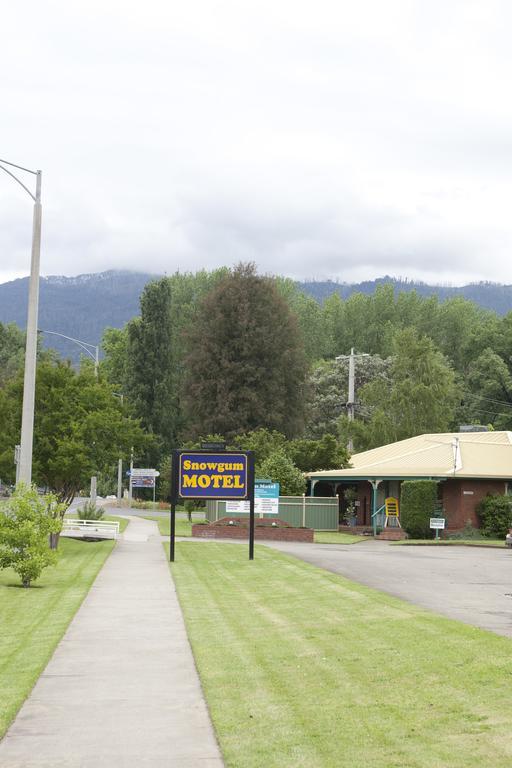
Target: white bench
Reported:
[(90, 529)]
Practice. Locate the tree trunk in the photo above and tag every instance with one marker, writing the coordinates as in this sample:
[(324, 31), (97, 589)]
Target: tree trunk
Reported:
[(54, 540)]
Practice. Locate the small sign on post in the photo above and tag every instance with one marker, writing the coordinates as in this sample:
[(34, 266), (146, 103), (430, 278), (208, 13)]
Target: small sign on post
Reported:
[(437, 524)]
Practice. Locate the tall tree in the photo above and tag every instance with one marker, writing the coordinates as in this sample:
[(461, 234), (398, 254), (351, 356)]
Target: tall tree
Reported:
[(246, 364), (151, 378)]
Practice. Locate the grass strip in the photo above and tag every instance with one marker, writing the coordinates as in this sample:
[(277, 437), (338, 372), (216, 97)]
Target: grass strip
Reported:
[(301, 667), (335, 537), (451, 543), (33, 620), (183, 527)]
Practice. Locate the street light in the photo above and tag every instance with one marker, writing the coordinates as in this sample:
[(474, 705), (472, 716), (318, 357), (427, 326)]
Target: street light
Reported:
[(84, 345), (29, 383)]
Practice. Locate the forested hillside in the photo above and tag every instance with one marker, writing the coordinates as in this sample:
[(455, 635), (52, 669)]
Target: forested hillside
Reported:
[(84, 306), (256, 361)]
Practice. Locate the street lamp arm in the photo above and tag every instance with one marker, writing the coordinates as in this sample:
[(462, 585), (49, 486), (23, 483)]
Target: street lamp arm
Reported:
[(83, 344), (27, 190), (19, 167)]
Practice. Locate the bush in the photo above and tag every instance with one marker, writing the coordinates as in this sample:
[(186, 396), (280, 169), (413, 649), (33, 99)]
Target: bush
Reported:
[(26, 522), (90, 511), (281, 469), (495, 514), (418, 503)]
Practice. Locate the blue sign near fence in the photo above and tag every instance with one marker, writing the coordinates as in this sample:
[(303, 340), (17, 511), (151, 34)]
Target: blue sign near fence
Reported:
[(204, 475)]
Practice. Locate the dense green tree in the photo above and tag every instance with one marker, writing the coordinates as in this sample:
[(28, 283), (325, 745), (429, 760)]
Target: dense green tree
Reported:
[(80, 429), (246, 365), (279, 468), (487, 392), (420, 395), (315, 455), (12, 351), (113, 367), (151, 376)]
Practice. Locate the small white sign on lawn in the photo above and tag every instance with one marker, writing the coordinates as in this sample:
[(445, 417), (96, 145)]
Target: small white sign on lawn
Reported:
[(437, 522)]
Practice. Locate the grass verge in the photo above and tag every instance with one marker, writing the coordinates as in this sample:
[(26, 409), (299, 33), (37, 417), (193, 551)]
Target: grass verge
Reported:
[(33, 620), (183, 527), (451, 542), (304, 668), (334, 537)]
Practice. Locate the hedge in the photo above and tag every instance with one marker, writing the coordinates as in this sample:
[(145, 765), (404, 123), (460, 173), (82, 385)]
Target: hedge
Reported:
[(418, 501), (495, 513)]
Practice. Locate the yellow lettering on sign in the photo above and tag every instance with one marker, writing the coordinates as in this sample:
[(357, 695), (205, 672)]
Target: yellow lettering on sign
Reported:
[(238, 482), (203, 481), (189, 481), (227, 481)]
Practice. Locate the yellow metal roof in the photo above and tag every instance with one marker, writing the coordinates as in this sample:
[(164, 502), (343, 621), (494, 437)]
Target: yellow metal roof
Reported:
[(451, 454)]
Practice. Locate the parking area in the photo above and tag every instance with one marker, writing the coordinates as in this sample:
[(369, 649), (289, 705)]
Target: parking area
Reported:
[(470, 584)]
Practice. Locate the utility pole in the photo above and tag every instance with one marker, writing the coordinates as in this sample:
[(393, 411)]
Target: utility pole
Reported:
[(351, 386), (29, 383), (120, 481), (130, 488), (351, 400)]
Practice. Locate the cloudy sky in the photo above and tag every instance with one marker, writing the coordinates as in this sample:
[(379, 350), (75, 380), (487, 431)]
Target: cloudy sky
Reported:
[(320, 139)]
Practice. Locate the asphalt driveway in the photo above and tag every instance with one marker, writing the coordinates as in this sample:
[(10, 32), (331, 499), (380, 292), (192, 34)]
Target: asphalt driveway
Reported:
[(469, 584)]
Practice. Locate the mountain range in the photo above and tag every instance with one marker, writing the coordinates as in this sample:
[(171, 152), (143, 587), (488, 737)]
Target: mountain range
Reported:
[(83, 306)]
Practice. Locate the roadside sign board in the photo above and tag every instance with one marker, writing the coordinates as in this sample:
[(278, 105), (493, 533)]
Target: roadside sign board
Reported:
[(144, 472), (266, 500), (437, 523), (212, 474), (143, 481), (204, 475)]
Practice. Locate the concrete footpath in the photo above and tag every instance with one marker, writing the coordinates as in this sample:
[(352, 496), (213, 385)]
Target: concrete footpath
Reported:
[(121, 689)]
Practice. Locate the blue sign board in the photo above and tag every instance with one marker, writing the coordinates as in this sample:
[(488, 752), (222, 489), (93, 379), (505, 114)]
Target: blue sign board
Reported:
[(205, 475), (266, 490)]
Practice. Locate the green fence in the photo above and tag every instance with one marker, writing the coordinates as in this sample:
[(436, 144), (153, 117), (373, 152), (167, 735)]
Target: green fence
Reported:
[(300, 511)]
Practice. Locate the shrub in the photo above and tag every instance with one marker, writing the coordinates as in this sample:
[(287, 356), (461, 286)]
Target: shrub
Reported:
[(281, 469), (26, 522), (495, 514), (90, 511), (418, 502), (468, 532)]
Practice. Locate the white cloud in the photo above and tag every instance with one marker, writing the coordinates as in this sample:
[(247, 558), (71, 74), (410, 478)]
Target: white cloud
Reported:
[(337, 139)]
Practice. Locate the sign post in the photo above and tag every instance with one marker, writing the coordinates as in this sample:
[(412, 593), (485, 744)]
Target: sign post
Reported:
[(212, 474), (438, 524)]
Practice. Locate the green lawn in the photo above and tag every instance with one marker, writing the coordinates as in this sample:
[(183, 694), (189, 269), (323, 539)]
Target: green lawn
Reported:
[(335, 537), (303, 668), (183, 527), (32, 621), (452, 542)]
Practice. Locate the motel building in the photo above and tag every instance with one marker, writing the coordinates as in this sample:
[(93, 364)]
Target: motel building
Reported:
[(467, 466)]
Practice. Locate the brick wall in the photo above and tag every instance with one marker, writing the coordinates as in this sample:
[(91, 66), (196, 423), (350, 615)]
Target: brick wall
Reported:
[(460, 499), (260, 532)]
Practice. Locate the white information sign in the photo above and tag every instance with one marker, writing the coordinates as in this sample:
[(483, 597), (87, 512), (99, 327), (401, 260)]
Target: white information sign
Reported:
[(437, 522), (141, 472), (266, 501)]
